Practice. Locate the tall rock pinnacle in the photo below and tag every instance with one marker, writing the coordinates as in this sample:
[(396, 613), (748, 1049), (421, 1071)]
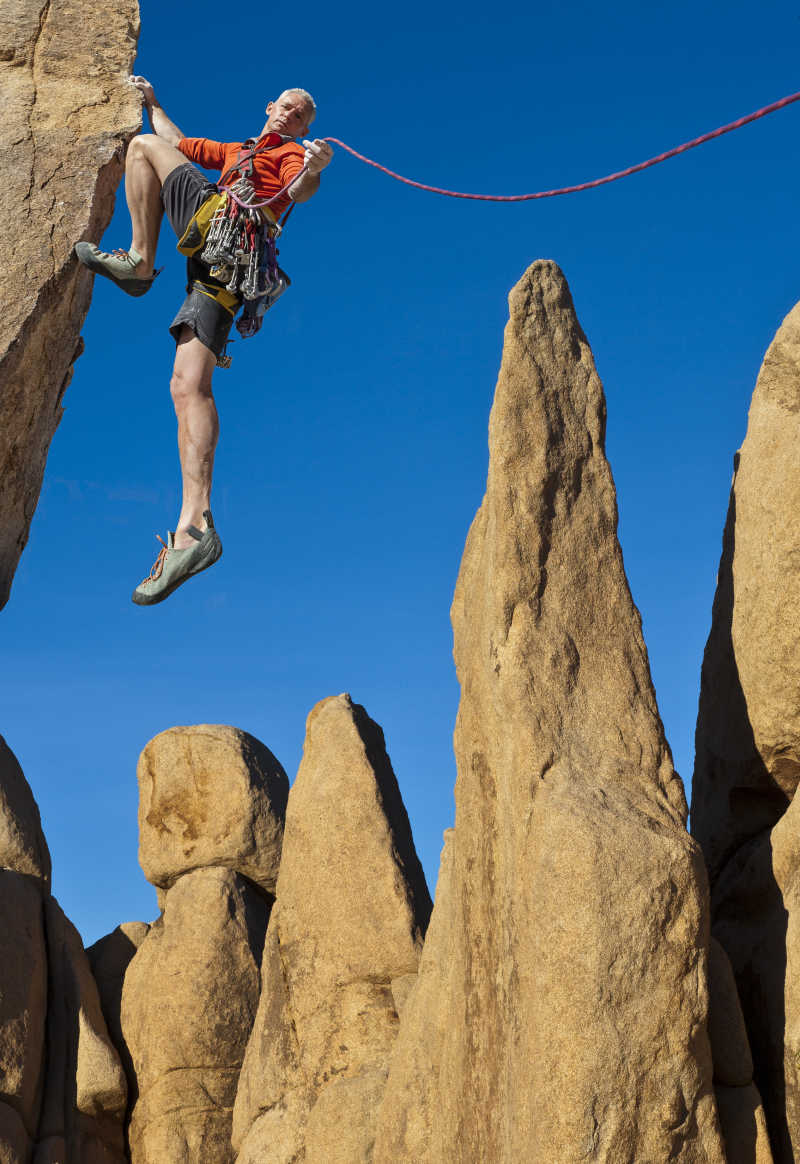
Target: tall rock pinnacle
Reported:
[(561, 1004), (747, 767), (342, 947), (67, 114)]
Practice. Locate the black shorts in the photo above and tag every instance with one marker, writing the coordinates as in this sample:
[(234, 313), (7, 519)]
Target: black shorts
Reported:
[(183, 193)]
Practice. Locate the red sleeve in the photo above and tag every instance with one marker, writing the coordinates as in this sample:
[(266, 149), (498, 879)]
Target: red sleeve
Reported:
[(292, 164), (206, 153)]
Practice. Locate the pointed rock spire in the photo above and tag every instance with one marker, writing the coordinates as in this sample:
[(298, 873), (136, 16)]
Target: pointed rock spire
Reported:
[(350, 914), (564, 1015), (747, 764)]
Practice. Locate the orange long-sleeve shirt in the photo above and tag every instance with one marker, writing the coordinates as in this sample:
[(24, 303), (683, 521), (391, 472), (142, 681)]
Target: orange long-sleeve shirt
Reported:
[(272, 169)]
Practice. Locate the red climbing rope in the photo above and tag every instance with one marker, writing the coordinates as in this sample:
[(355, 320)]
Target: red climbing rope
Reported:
[(681, 149)]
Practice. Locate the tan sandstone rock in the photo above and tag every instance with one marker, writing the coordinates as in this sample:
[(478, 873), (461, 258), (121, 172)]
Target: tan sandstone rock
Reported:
[(67, 115), (351, 910), (109, 959), (748, 727), (730, 1047), (23, 1000), (188, 1003), (15, 1143), (210, 795), (748, 737), (85, 1089), (567, 1010), (23, 848), (744, 1125)]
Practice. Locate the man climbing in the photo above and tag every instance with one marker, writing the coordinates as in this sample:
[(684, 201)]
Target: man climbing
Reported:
[(160, 178)]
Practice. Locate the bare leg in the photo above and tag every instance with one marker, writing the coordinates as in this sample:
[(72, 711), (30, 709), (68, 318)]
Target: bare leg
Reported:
[(198, 429), (149, 160)]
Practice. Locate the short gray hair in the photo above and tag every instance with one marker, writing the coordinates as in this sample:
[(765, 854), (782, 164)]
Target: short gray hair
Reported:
[(309, 100)]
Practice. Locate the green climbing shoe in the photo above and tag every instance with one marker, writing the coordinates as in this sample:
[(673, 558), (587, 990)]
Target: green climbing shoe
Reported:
[(174, 567), (119, 267)]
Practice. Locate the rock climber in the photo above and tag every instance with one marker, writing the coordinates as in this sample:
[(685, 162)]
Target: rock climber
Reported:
[(161, 177)]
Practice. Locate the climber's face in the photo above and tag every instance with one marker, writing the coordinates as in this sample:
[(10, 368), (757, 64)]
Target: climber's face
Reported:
[(290, 114)]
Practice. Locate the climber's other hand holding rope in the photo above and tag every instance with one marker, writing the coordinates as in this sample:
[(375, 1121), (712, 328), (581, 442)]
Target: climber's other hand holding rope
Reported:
[(318, 155)]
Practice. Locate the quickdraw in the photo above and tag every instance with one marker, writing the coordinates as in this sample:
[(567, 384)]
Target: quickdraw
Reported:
[(238, 237)]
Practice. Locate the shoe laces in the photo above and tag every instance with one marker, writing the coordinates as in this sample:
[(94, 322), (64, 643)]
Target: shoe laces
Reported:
[(158, 565)]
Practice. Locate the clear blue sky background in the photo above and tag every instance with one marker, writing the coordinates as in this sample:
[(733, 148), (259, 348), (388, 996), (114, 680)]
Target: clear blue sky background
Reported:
[(353, 451)]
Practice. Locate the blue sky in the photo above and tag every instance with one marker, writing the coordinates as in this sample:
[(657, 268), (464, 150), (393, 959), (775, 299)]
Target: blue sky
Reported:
[(353, 448)]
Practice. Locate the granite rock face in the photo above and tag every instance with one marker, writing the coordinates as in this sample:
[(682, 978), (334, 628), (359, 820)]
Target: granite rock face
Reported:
[(747, 763), (351, 911), (741, 1113), (210, 794), (23, 1000), (574, 892), (68, 113), (85, 1091), (62, 1087), (188, 1004), (23, 848)]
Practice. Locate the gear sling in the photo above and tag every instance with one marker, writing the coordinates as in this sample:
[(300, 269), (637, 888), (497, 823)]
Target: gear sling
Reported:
[(237, 243)]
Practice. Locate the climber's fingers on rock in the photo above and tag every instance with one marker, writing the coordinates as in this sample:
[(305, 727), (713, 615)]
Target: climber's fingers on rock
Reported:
[(143, 85)]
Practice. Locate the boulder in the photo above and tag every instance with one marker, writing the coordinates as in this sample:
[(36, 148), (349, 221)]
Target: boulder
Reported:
[(565, 1011), (210, 795), (68, 113), (747, 761), (109, 959), (744, 1125), (23, 848), (15, 1143), (188, 1003), (85, 1091), (413, 1087), (730, 1047), (23, 1001), (351, 911)]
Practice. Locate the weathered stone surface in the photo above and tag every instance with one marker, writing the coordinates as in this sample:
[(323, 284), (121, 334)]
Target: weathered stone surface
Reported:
[(569, 1019), (67, 114), (23, 848), (409, 1113), (210, 795), (188, 1004), (109, 959), (748, 738), (744, 1126), (756, 901), (352, 907), (748, 729), (730, 1048), (85, 1089), (23, 997), (15, 1143)]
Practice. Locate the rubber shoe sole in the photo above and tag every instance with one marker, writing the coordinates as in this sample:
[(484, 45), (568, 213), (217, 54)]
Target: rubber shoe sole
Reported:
[(88, 255), (205, 554)]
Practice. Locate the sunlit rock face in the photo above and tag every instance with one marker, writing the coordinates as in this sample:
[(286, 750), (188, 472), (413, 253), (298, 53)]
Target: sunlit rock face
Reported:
[(747, 767), (342, 950), (68, 113), (561, 1005), (62, 1086)]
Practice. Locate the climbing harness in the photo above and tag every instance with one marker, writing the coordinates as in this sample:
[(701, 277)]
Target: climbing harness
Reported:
[(238, 235), (236, 238)]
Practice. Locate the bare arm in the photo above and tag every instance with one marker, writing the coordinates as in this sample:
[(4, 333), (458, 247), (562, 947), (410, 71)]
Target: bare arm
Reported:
[(318, 155), (162, 126)]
